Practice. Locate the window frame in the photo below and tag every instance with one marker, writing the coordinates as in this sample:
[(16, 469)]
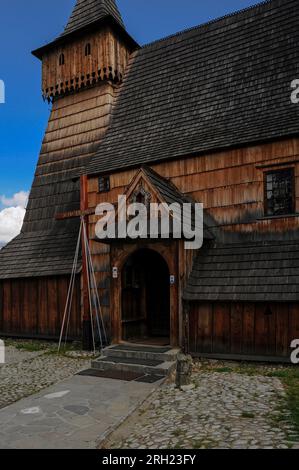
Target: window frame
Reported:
[(87, 50), (291, 170), (106, 184), (61, 59)]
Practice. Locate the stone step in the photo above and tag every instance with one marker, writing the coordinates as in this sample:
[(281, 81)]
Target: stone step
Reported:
[(145, 366), (129, 351)]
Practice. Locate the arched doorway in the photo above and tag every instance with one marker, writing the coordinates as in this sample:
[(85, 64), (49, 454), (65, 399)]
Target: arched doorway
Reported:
[(146, 298)]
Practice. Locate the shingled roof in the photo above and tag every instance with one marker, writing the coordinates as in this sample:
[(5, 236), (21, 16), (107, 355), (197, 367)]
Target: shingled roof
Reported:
[(257, 272), (168, 191), (87, 12), (46, 246), (37, 254), (219, 85), (170, 194)]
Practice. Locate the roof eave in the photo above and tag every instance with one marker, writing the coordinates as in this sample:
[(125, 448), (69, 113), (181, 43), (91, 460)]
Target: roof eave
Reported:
[(62, 40)]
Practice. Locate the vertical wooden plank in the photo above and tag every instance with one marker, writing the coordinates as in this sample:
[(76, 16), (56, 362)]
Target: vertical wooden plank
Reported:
[(7, 306), (236, 327), (42, 320), (52, 307), (21, 297), (293, 323), (271, 319), (193, 328), (205, 328), (248, 328), (281, 312), (15, 306), (25, 306), (33, 307), (29, 314), (62, 290), (261, 330), (221, 328)]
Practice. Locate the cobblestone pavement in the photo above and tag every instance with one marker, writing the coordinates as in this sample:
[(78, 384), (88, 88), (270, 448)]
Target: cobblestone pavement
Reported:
[(13, 355), (26, 372), (219, 410)]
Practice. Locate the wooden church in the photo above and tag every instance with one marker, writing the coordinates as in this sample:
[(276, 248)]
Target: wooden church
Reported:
[(205, 115)]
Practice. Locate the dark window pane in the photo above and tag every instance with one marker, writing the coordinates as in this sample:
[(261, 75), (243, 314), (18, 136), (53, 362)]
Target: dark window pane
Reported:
[(279, 192), (104, 184), (87, 49)]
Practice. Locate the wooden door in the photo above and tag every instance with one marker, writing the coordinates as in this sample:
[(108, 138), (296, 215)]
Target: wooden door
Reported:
[(145, 297)]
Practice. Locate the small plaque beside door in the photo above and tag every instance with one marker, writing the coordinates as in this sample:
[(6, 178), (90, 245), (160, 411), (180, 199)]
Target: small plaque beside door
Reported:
[(115, 273)]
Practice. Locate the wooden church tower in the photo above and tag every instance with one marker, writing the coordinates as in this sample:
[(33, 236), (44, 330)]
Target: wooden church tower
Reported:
[(81, 72)]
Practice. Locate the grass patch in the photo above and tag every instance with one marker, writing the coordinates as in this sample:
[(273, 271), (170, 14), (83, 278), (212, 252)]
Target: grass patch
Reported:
[(68, 348), (292, 400), (197, 444), (247, 414), (223, 370), (178, 432), (30, 346), (289, 376), (179, 445), (288, 373), (205, 443), (47, 347)]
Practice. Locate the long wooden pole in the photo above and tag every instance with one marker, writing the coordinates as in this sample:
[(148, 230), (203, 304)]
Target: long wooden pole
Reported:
[(86, 320)]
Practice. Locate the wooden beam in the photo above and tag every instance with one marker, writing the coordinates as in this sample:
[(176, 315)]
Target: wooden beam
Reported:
[(86, 321), (74, 214)]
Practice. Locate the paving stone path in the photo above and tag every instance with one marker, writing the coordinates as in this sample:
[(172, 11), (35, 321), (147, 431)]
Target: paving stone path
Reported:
[(73, 414), (27, 372), (220, 410)]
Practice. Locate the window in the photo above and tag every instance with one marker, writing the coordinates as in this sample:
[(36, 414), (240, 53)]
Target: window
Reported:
[(87, 49), (140, 198), (279, 192), (104, 184), (61, 59)]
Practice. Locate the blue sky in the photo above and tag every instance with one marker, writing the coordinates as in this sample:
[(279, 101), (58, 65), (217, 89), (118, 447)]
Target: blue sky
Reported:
[(29, 24)]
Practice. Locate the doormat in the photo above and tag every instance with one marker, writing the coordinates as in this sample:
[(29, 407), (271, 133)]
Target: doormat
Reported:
[(150, 379), (126, 376), (141, 348)]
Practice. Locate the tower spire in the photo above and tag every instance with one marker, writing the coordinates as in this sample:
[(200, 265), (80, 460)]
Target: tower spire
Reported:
[(94, 47), (87, 12)]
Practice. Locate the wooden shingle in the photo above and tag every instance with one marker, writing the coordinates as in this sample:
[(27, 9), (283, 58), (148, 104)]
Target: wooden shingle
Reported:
[(255, 272), (87, 12), (220, 85)]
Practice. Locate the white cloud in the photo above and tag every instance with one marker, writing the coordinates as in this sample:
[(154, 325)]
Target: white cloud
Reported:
[(11, 217), (11, 220), (17, 200)]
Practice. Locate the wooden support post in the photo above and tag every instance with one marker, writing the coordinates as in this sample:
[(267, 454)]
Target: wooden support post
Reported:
[(186, 312), (86, 320)]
